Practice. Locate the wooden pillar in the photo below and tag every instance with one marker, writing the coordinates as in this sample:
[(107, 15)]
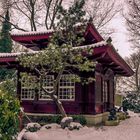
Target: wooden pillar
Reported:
[(20, 117), (98, 93), (18, 84), (79, 97), (91, 98), (111, 93)]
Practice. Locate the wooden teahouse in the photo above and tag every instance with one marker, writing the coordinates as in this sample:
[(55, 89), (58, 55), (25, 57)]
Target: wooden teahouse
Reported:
[(91, 99)]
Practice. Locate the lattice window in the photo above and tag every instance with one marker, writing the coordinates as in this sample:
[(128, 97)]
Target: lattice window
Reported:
[(47, 83), (105, 91), (27, 88), (67, 87)]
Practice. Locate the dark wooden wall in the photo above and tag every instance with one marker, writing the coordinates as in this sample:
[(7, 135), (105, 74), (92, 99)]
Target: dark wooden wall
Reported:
[(100, 76), (88, 98), (48, 106)]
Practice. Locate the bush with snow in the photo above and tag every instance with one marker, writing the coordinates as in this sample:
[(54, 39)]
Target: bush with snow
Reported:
[(112, 115), (50, 126), (132, 102), (74, 125), (65, 122), (33, 127)]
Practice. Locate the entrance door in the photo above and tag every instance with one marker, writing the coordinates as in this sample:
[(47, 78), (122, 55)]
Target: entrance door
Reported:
[(105, 93)]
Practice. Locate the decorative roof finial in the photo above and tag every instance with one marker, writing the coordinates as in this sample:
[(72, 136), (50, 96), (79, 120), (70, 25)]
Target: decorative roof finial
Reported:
[(90, 20), (109, 40)]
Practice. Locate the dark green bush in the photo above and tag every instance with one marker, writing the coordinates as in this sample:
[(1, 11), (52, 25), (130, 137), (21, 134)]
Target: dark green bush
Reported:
[(132, 102), (44, 119), (32, 129), (53, 119), (112, 115), (9, 86), (9, 116), (80, 119)]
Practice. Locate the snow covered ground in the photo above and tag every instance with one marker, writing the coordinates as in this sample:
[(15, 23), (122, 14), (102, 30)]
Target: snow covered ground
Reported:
[(127, 130)]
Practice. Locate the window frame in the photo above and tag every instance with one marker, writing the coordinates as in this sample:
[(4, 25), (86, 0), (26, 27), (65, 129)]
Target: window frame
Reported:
[(26, 88), (105, 91), (72, 87), (47, 87), (67, 85)]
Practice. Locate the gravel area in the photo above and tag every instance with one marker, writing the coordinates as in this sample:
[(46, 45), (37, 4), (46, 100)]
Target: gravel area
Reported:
[(127, 130)]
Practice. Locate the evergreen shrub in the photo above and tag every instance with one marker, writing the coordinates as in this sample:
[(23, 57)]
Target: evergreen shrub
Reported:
[(53, 119), (132, 102), (9, 116)]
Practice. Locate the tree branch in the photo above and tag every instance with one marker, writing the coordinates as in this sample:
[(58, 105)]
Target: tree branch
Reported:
[(15, 26)]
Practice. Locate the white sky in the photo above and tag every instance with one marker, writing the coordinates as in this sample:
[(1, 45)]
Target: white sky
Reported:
[(121, 36)]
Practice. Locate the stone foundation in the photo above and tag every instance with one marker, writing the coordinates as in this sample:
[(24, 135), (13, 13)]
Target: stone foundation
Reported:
[(96, 119)]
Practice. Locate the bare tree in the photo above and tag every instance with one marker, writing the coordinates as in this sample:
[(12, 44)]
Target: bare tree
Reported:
[(132, 17), (6, 5), (132, 83), (51, 12), (37, 14), (102, 12), (29, 10)]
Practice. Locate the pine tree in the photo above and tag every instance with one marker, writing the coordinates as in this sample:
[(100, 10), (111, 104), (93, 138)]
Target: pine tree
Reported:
[(59, 57), (5, 44), (5, 39)]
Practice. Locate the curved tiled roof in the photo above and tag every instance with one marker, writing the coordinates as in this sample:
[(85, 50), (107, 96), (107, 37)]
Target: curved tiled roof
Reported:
[(99, 44), (32, 33), (109, 49), (3, 55), (39, 32)]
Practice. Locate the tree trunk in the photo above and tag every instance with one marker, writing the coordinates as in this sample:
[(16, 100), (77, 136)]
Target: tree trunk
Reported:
[(57, 102), (59, 105)]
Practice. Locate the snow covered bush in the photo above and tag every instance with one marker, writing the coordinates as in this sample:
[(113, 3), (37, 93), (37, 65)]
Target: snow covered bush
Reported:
[(65, 122), (74, 125), (53, 119), (33, 127), (9, 116), (132, 102)]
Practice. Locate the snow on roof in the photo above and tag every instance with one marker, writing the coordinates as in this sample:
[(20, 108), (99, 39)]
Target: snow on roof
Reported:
[(40, 32), (9, 54), (32, 33), (99, 44), (2, 55)]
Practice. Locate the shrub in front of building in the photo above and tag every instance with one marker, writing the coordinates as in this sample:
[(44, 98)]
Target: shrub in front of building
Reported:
[(132, 102), (53, 119), (9, 116)]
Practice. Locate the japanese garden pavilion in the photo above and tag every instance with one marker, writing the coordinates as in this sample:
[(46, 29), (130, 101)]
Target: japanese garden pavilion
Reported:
[(94, 98)]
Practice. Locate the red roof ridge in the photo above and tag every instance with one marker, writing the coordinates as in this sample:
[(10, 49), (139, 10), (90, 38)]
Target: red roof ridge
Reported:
[(98, 44), (32, 33), (40, 32), (16, 54)]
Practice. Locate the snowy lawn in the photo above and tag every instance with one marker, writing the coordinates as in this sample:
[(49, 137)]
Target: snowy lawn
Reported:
[(127, 130)]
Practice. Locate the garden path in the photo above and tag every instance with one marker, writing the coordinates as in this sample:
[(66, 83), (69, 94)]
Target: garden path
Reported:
[(127, 130)]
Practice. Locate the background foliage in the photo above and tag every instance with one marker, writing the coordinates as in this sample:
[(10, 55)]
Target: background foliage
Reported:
[(54, 119), (5, 44), (9, 112), (9, 86), (132, 102)]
